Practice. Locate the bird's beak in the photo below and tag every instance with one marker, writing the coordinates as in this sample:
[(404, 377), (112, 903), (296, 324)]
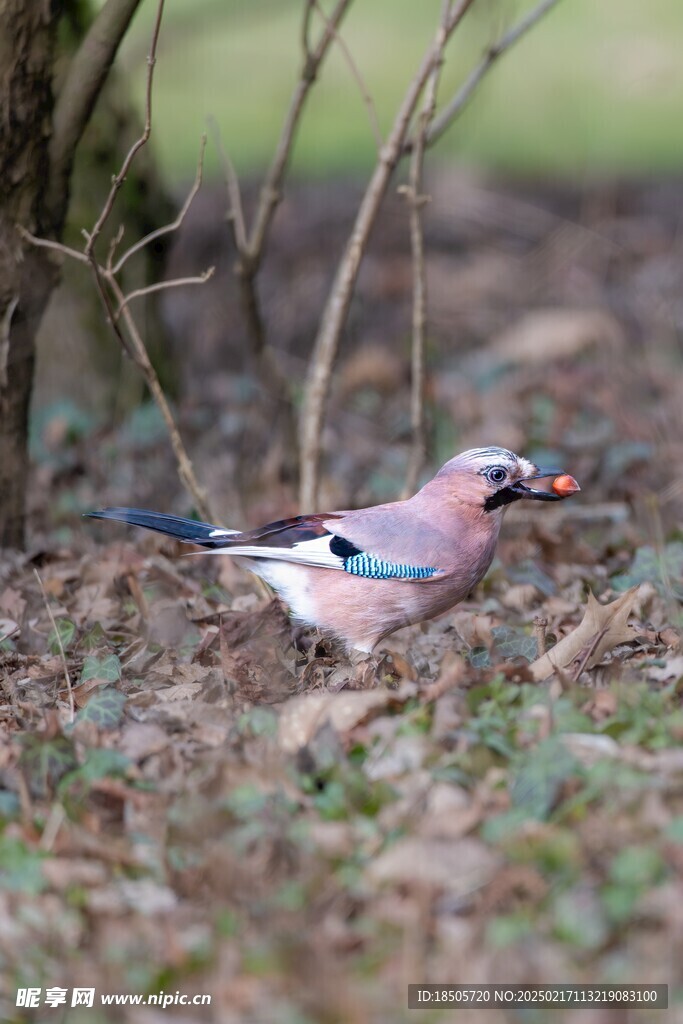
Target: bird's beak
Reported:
[(534, 493)]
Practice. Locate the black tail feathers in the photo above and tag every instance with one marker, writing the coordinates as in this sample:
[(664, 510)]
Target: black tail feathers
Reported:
[(190, 530)]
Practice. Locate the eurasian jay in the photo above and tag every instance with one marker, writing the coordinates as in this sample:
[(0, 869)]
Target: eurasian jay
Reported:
[(362, 575)]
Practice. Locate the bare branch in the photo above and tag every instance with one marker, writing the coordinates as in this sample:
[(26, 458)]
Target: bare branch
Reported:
[(306, 29), (334, 315), (452, 109), (235, 206), (185, 468), (115, 242), (168, 228), (360, 81), (112, 295), (83, 83), (137, 145), (48, 243), (160, 286), (270, 192), (250, 244), (416, 201)]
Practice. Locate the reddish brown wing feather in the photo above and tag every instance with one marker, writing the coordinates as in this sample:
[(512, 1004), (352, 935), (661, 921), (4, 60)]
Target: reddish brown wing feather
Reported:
[(283, 533)]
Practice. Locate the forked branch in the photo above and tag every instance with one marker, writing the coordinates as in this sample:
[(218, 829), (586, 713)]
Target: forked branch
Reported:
[(416, 200), (445, 118), (116, 303), (82, 85), (398, 143), (336, 308), (250, 243)]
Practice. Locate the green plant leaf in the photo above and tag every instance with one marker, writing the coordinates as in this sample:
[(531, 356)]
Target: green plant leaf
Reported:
[(636, 866), (528, 572), (478, 657), (540, 775), (663, 568), (105, 708), (65, 630), (20, 867), (514, 643), (44, 762), (107, 668)]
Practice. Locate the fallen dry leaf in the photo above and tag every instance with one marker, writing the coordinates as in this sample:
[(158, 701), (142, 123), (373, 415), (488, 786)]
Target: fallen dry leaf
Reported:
[(302, 716), (459, 867), (602, 628), (672, 669), (549, 334), (587, 747)]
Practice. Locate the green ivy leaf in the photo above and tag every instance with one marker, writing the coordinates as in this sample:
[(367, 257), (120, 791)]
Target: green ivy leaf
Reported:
[(9, 804), (94, 639), (65, 630), (105, 708), (107, 668), (664, 569), (45, 762), (479, 657), (637, 866), (100, 763), (514, 643), (528, 572), (539, 777), (20, 867)]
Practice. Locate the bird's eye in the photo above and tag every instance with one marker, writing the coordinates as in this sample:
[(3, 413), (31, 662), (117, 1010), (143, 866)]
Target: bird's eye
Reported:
[(497, 475)]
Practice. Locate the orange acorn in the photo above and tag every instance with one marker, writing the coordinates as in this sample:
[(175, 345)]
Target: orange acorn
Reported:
[(565, 485)]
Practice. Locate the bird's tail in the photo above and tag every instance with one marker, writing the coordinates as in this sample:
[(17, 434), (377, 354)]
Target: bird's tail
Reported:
[(189, 530)]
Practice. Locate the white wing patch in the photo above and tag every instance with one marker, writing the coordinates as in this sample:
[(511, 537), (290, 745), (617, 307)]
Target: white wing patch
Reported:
[(222, 533), (306, 552)]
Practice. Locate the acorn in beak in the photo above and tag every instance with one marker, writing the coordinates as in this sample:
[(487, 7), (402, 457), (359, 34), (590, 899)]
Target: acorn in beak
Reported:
[(563, 486)]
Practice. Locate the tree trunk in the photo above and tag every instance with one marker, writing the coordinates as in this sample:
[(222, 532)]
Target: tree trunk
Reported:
[(27, 277)]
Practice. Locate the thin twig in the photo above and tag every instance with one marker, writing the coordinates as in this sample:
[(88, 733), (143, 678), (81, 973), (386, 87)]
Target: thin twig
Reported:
[(115, 242), (48, 243), (445, 118), (55, 820), (134, 346), (177, 223), (236, 217), (336, 308), (416, 201), (250, 245), (101, 282), (8, 635), (67, 677), (360, 81), (82, 85), (137, 145), (160, 286), (270, 192), (185, 468), (588, 653), (540, 626), (306, 29)]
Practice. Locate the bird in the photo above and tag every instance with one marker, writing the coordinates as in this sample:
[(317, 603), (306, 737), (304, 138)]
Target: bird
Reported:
[(360, 575)]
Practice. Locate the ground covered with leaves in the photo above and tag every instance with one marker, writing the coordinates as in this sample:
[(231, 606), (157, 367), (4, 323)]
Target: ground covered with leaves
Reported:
[(198, 796)]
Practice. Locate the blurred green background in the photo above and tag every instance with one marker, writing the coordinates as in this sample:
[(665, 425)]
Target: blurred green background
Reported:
[(595, 88)]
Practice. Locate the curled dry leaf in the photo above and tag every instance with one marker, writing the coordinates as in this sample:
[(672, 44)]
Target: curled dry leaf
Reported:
[(588, 747), (458, 867), (602, 628), (302, 716)]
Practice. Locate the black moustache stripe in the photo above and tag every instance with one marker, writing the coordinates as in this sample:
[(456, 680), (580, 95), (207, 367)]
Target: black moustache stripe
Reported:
[(505, 496)]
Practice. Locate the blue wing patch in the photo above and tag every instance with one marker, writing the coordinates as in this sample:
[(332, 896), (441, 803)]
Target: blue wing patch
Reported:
[(377, 569)]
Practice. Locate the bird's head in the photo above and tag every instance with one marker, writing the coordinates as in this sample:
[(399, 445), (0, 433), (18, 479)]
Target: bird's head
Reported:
[(491, 478)]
